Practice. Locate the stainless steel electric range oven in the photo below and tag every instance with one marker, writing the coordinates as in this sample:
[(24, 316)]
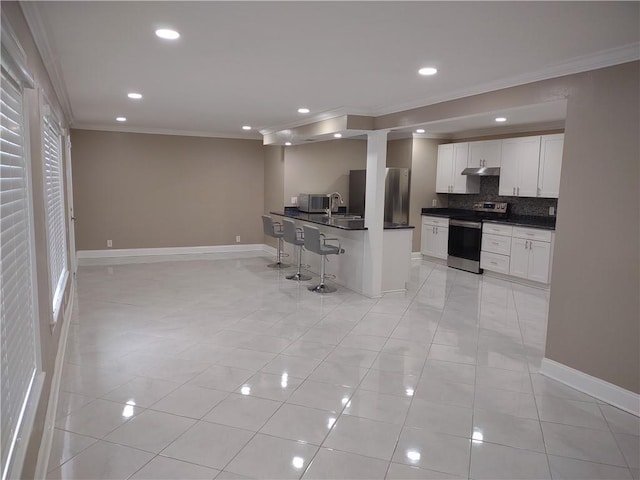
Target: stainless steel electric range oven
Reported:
[(465, 235)]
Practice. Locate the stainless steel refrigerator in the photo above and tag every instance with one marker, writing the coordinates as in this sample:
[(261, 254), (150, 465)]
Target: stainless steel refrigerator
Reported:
[(396, 197)]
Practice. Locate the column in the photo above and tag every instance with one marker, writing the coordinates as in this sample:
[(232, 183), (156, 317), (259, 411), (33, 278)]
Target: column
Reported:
[(374, 212)]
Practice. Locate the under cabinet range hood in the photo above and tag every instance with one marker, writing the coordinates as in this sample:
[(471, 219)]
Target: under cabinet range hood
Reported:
[(482, 171)]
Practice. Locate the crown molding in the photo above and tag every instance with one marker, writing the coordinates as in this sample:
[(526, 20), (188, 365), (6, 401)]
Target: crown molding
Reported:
[(48, 55), (318, 117), (164, 131), (525, 128), (585, 63)]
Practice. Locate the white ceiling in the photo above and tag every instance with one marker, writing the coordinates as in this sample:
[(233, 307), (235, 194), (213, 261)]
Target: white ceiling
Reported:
[(255, 63)]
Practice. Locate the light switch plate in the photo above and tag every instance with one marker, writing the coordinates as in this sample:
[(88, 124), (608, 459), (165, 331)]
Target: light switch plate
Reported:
[(294, 200), (552, 211), (434, 202)]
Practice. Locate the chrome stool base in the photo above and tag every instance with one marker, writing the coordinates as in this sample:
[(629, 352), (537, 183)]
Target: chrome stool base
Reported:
[(322, 288), (300, 277), (279, 265)]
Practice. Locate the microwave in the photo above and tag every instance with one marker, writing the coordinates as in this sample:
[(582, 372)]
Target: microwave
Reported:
[(313, 202)]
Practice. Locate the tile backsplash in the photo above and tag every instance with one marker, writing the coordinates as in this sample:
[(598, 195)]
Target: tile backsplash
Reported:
[(489, 193)]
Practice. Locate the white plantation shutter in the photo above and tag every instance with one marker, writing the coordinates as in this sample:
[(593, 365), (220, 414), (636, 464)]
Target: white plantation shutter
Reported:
[(56, 230), (18, 355)]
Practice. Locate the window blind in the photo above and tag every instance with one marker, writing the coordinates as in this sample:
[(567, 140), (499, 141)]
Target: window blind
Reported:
[(18, 355), (56, 231)]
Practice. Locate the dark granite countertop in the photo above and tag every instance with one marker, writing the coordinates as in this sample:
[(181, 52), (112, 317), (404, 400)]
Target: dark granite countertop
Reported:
[(341, 221), (444, 212), (546, 223), (533, 221)]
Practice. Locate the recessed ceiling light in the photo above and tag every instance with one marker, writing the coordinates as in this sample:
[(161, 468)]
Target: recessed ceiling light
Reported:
[(501, 119), (420, 130), (428, 71), (167, 34), (121, 119), (287, 143), (337, 135), (303, 110), (246, 127), (134, 96)]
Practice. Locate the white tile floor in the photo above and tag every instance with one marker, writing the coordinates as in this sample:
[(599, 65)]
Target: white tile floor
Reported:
[(218, 367)]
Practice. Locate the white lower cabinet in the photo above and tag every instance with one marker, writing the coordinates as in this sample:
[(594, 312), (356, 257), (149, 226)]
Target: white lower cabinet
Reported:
[(435, 237), (494, 262), (517, 251), (496, 247), (531, 254)]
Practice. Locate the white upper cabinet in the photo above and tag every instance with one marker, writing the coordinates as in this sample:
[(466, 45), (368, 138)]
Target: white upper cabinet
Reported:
[(519, 168), (529, 166), (487, 153), (550, 165), (444, 170), (452, 160)]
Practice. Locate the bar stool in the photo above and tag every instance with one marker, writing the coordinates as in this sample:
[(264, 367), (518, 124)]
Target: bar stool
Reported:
[(316, 242), (295, 236), (274, 229)]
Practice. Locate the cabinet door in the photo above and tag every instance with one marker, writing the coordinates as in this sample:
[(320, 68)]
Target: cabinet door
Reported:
[(463, 183), (444, 168), (528, 161), (539, 260), (442, 242), (509, 168), (486, 153), (428, 240), (551, 147), (519, 263)]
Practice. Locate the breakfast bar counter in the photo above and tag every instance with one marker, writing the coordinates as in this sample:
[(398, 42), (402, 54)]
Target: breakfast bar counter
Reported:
[(349, 268)]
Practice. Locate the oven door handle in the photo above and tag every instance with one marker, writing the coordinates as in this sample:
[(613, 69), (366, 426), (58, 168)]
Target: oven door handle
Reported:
[(465, 223)]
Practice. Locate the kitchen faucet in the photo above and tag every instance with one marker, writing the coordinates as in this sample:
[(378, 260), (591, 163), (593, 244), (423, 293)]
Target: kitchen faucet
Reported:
[(332, 197)]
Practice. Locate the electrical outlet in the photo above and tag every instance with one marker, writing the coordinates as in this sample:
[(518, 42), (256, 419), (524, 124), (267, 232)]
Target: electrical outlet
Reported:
[(294, 200), (434, 202), (109, 243), (552, 211), (237, 238)]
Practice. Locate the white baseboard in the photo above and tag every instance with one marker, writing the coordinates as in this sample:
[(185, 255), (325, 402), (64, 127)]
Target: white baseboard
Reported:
[(600, 389), (52, 407), (143, 252)]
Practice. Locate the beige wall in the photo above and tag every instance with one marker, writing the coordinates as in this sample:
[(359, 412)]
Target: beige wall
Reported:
[(423, 182), (322, 167), (144, 191), (594, 316), (399, 153), (273, 183), (49, 337)]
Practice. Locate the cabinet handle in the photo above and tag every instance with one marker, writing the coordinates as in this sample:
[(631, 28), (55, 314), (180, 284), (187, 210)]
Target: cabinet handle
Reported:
[(495, 243), (436, 230), (433, 230), (493, 263), (514, 190), (539, 191), (518, 191)]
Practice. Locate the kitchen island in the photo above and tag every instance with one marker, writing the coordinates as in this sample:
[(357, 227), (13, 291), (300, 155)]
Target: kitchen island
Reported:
[(349, 268)]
